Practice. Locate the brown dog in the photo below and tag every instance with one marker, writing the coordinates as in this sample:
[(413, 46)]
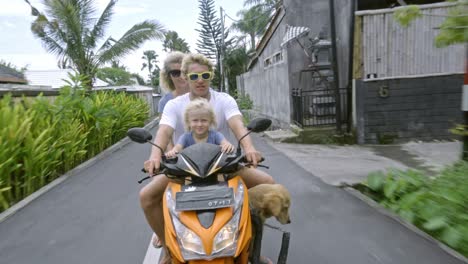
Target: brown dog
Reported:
[(271, 200)]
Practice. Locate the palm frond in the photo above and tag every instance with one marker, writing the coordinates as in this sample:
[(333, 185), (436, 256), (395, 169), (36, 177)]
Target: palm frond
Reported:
[(99, 28), (40, 28), (131, 40)]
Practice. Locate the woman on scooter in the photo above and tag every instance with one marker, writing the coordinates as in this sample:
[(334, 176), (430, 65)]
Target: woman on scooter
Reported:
[(174, 82)]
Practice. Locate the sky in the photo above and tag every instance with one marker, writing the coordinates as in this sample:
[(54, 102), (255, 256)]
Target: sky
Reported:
[(19, 46)]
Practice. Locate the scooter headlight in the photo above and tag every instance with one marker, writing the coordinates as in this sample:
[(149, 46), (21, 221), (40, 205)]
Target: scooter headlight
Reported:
[(226, 239), (225, 242), (189, 241)]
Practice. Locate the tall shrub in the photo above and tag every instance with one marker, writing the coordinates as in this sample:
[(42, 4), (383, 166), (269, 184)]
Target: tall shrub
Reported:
[(40, 140)]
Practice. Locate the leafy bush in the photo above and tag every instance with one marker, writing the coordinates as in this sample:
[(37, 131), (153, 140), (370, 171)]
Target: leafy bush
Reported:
[(438, 206), (244, 102), (40, 140)]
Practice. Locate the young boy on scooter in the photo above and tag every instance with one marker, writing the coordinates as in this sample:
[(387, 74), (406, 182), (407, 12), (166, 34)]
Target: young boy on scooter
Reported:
[(200, 120)]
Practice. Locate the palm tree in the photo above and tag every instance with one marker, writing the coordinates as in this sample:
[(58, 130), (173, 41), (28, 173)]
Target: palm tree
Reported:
[(173, 42), (236, 62), (252, 22), (267, 4), (151, 59), (70, 30)]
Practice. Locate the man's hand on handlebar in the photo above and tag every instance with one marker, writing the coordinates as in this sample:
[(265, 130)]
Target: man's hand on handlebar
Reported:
[(253, 157), (152, 166)]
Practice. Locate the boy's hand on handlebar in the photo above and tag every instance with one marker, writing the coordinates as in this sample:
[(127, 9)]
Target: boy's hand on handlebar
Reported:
[(171, 154), (226, 147)]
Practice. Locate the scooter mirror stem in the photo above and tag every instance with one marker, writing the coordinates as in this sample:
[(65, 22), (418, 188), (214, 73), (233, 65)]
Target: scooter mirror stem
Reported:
[(238, 143), (149, 141)]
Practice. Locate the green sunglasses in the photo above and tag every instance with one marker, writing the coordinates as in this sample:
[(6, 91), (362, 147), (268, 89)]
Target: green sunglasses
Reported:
[(193, 76)]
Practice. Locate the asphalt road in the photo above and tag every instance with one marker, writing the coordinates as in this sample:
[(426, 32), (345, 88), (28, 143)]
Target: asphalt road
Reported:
[(94, 217)]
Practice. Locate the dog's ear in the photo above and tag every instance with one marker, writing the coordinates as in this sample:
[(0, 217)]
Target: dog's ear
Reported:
[(272, 204)]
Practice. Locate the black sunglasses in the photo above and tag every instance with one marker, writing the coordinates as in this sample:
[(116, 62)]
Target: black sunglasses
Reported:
[(175, 73)]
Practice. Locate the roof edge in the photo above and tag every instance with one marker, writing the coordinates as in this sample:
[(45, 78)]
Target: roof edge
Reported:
[(275, 22)]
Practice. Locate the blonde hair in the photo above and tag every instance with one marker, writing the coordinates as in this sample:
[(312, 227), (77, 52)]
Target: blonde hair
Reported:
[(190, 59), (199, 105), (164, 78)]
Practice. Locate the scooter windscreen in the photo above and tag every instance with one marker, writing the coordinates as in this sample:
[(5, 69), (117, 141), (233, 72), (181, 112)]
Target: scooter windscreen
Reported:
[(200, 160)]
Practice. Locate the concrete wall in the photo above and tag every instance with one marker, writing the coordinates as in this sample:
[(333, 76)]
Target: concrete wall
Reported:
[(268, 86), (405, 109)]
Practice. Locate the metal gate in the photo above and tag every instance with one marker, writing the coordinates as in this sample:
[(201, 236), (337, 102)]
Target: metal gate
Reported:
[(316, 103), (318, 107)]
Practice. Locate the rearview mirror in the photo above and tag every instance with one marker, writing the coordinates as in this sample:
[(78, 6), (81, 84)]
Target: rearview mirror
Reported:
[(259, 125), (139, 135)]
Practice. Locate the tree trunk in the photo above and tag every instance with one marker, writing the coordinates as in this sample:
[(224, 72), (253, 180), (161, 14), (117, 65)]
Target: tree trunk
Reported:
[(252, 41)]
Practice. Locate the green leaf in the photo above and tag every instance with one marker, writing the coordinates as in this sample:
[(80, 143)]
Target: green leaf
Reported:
[(435, 223), (390, 188), (407, 14), (375, 181), (451, 237), (407, 215)]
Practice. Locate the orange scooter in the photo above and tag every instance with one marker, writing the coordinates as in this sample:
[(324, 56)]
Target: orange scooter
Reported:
[(206, 208)]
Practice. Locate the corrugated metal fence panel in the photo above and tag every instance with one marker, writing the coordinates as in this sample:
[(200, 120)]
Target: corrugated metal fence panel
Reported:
[(391, 50)]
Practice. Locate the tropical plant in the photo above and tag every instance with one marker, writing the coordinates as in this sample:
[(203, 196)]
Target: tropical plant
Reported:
[(172, 42), (150, 61), (70, 30), (115, 76), (138, 78), (253, 22), (235, 64), (213, 38), (210, 33), (269, 4), (40, 140), (265, 7), (453, 30), (436, 205), (13, 68)]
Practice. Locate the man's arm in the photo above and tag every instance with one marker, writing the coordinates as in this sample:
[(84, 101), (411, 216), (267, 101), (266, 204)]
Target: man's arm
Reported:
[(237, 126), (163, 137)]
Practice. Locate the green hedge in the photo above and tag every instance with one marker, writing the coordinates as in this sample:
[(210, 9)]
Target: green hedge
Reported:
[(438, 205), (40, 140)]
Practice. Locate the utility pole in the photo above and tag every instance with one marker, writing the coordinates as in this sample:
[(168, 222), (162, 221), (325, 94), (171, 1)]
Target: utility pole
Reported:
[(465, 108), (221, 55), (336, 78)]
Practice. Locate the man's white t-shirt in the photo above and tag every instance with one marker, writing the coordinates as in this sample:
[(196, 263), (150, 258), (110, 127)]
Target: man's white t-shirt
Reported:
[(223, 104)]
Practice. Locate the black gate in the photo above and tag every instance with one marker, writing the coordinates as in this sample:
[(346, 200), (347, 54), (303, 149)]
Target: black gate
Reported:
[(318, 107)]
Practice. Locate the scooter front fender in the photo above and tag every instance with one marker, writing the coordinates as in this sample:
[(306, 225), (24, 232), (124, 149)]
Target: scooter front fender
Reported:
[(223, 215)]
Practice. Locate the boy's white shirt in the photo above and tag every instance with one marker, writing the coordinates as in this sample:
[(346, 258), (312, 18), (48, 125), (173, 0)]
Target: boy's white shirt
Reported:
[(223, 105)]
